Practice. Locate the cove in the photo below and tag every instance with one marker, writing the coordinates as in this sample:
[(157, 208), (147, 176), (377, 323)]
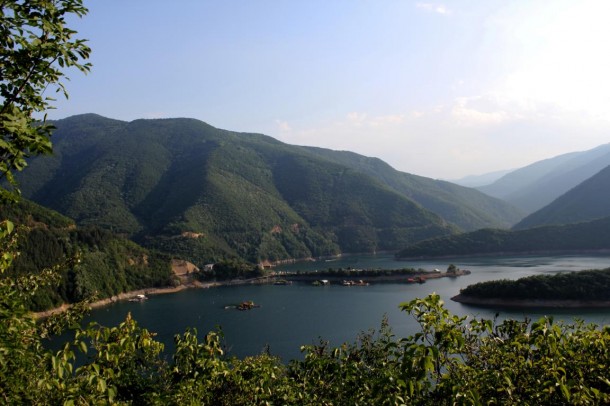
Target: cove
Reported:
[(300, 314)]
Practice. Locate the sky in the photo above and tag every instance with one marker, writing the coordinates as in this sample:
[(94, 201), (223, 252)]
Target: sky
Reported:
[(438, 89)]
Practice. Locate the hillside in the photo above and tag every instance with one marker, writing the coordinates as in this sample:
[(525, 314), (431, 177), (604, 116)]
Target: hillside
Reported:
[(465, 207), (578, 237), (588, 201), (536, 185), (107, 265), (204, 194)]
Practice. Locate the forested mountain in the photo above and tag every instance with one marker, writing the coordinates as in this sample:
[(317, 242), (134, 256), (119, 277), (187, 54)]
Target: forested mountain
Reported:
[(577, 237), (536, 185), (465, 207), (107, 264), (588, 201), (204, 193)]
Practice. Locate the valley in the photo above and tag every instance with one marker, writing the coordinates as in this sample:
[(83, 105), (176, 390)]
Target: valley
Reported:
[(188, 191)]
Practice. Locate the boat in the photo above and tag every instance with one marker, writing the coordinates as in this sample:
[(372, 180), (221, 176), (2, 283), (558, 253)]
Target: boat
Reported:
[(355, 283), (138, 298), (247, 305)]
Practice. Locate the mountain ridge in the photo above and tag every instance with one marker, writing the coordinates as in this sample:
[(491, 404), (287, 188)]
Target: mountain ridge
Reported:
[(241, 194), (587, 201), (534, 186)]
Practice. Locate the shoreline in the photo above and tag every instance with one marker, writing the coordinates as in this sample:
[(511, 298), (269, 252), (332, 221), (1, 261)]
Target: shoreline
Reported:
[(531, 303), (309, 277), (126, 296), (153, 291)]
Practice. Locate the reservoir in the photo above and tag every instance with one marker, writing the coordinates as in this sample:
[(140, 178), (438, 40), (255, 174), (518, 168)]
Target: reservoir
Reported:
[(299, 314)]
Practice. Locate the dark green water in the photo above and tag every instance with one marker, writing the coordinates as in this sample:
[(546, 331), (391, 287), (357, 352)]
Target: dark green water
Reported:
[(299, 314)]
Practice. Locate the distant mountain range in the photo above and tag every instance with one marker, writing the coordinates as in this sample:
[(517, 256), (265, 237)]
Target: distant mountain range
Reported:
[(587, 201), (536, 185), (480, 180), (202, 193), (575, 220)]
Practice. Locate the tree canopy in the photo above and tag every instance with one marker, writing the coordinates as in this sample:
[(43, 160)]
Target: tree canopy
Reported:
[(36, 48)]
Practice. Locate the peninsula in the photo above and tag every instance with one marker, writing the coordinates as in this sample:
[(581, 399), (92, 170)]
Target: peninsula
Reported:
[(590, 288)]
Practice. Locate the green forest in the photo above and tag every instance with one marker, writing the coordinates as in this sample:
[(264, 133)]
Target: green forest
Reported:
[(577, 237), (590, 285), (208, 194), (96, 262)]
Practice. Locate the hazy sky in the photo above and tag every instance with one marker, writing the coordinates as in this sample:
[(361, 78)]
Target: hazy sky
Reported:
[(439, 89)]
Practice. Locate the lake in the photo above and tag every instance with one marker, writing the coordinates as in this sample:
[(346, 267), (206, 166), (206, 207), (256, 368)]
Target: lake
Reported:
[(299, 314)]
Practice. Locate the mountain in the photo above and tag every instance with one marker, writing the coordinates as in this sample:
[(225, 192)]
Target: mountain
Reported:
[(202, 193), (465, 207), (577, 237), (588, 201), (185, 187), (536, 185), (480, 180)]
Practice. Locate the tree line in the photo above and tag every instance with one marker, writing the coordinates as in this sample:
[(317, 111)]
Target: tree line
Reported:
[(587, 285)]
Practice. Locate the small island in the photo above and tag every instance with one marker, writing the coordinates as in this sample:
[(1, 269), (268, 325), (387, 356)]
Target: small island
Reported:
[(590, 288)]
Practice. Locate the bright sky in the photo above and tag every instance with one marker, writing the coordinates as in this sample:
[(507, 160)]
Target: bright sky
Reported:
[(438, 89)]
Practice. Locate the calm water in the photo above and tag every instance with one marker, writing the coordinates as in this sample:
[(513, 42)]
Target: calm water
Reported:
[(299, 314)]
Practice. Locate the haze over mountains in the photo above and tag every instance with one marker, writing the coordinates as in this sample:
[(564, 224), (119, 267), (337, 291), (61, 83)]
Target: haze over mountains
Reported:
[(577, 221), (480, 180), (588, 201), (536, 185), (188, 188)]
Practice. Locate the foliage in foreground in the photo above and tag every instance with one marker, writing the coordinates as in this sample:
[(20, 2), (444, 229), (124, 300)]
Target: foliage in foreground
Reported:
[(451, 360), (36, 48)]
